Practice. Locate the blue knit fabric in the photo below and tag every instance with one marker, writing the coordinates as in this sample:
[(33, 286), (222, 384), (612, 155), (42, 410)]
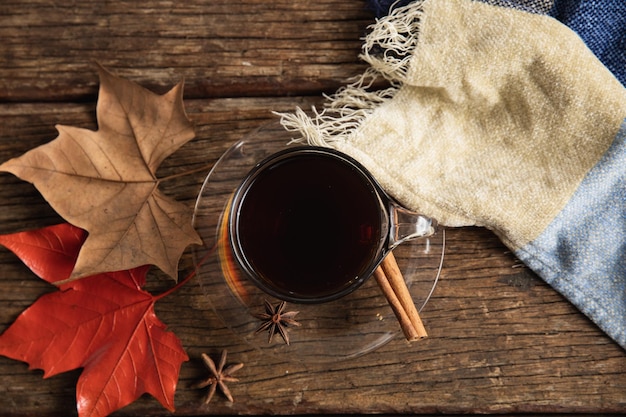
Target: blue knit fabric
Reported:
[(382, 7), (582, 253), (602, 25)]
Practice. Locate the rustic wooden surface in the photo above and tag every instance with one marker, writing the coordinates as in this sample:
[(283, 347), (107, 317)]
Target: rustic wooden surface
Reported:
[(501, 340)]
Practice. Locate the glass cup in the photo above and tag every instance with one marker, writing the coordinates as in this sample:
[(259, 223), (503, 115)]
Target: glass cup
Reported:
[(310, 224)]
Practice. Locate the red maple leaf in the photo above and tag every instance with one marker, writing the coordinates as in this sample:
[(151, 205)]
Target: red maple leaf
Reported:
[(105, 324)]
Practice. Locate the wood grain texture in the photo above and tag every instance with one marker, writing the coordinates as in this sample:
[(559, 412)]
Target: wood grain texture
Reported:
[(500, 340), (222, 48)]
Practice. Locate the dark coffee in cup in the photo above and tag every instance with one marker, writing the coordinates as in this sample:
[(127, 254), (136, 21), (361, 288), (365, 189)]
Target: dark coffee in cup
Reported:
[(308, 224)]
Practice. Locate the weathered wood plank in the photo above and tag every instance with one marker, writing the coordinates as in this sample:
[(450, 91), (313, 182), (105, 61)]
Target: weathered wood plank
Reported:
[(221, 48), (500, 339)]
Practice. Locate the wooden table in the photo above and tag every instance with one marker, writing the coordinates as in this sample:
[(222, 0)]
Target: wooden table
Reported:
[(501, 340)]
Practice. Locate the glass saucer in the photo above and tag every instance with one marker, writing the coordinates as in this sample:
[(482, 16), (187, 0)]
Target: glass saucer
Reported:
[(343, 329)]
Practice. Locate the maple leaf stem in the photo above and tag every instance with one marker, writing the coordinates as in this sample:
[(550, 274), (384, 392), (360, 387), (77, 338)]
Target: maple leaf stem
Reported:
[(189, 276), (184, 173)]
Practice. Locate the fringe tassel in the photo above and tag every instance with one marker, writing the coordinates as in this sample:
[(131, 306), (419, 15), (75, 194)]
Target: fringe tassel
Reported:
[(390, 44), (342, 114), (388, 49)]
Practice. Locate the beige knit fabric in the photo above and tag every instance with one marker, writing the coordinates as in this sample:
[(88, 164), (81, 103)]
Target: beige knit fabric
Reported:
[(495, 116)]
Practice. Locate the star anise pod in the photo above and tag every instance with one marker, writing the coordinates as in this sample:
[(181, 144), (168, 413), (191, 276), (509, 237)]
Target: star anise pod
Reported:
[(276, 320), (219, 376)]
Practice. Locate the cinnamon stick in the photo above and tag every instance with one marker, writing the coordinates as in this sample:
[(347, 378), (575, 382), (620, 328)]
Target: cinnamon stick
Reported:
[(393, 286)]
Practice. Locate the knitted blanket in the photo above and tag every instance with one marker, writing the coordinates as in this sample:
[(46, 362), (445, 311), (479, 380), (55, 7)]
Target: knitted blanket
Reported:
[(501, 117)]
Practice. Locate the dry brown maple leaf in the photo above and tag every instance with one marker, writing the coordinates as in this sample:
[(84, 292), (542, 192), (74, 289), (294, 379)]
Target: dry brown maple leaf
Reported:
[(105, 181)]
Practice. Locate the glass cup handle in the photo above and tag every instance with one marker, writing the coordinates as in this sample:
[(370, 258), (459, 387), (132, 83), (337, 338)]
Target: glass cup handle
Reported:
[(406, 225)]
